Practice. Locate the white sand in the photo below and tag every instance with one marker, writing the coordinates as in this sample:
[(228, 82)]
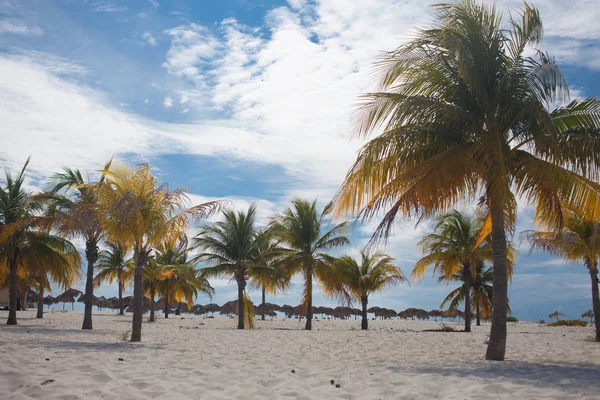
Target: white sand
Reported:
[(196, 357)]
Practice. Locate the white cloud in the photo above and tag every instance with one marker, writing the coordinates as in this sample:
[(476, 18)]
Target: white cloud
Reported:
[(107, 7), (168, 102), (184, 99), (185, 111), (149, 38), (19, 27)]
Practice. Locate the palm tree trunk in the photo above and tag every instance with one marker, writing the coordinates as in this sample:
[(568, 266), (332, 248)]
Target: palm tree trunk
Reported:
[(309, 313), (241, 286), (467, 283), (497, 343), (121, 305), (478, 313), (40, 304), (167, 299), (595, 298), (262, 317), (365, 319), (12, 309), (91, 253), (140, 258), (151, 303)]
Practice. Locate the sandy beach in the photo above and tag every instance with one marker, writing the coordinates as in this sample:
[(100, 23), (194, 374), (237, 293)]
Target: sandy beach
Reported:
[(191, 357)]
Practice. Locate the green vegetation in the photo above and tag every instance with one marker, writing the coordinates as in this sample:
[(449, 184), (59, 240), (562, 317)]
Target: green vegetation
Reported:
[(568, 322)]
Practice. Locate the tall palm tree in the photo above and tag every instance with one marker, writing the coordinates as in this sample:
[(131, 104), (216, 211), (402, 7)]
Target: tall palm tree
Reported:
[(463, 113), (113, 265), (141, 214), (454, 247), (229, 248), (375, 273), (481, 295), (578, 241), (154, 274), (19, 213), (299, 229), (75, 209), (274, 279)]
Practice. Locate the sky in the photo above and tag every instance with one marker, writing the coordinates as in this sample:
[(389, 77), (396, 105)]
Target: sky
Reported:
[(249, 101)]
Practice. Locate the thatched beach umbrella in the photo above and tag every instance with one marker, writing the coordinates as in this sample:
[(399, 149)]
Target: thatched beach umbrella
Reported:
[(32, 296), (287, 310), (49, 300), (212, 308), (69, 297), (556, 315), (229, 308), (113, 303), (588, 314), (267, 308)]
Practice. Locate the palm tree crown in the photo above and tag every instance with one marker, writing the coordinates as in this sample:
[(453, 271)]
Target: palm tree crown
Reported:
[(113, 265)]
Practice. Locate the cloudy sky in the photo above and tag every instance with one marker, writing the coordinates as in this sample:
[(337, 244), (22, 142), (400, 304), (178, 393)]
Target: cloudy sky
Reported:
[(245, 100)]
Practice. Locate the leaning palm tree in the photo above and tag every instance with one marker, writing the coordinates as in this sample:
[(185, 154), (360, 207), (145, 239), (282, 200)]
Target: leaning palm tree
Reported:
[(75, 209), (373, 274), (113, 265), (141, 214), (299, 230), (481, 295), (463, 113), (556, 315), (229, 248), (453, 248), (578, 241), (19, 214), (154, 274)]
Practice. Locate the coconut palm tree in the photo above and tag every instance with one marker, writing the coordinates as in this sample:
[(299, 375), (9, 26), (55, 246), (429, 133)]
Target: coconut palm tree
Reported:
[(154, 274), (556, 315), (74, 206), (188, 283), (171, 255), (463, 113), (481, 291), (373, 274), (454, 247), (141, 214), (300, 231), (229, 247), (578, 241), (113, 265), (19, 214), (273, 279)]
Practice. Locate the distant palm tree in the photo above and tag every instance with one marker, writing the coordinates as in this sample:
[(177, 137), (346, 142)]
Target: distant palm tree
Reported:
[(455, 247), (76, 214), (462, 112), (229, 248), (373, 274), (556, 315), (172, 255), (154, 274), (299, 229), (578, 241), (141, 214), (113, 265), (19, 214), (189, 283)]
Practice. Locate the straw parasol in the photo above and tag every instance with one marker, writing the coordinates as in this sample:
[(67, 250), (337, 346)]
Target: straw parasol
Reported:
[(287, 310), (212, 308), (588, 314), (68, 296), (229, 308), (49, 300), (556, 315)]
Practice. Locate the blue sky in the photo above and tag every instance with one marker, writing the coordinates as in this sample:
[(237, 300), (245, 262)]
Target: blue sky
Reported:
[(246, 100)]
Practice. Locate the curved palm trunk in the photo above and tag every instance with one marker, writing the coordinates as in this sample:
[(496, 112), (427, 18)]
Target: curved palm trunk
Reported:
[(262, 317), (151, 303), (595, 298), (167, 299), (467, 283), (12, 309), (497, 343), (309, 312), (365, 319), (40, 303), (138, 296), (241, 286), (121, 305), (91, 253)]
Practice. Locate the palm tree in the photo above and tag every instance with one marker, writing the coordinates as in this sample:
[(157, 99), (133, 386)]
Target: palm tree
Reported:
[(463, 111), (578, 241), (18, 215), (140, 214), (76, 214), (189, 282), (556, 315), (481, 295), (229, 248), (374, 274), (113, 265), (275, 278), (299, 229), (154, 274), (171, 255), (454, 247)]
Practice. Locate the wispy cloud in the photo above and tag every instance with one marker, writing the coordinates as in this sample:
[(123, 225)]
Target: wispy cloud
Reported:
[(19, 27), (149, 38), (107, 7), (168, 102)]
